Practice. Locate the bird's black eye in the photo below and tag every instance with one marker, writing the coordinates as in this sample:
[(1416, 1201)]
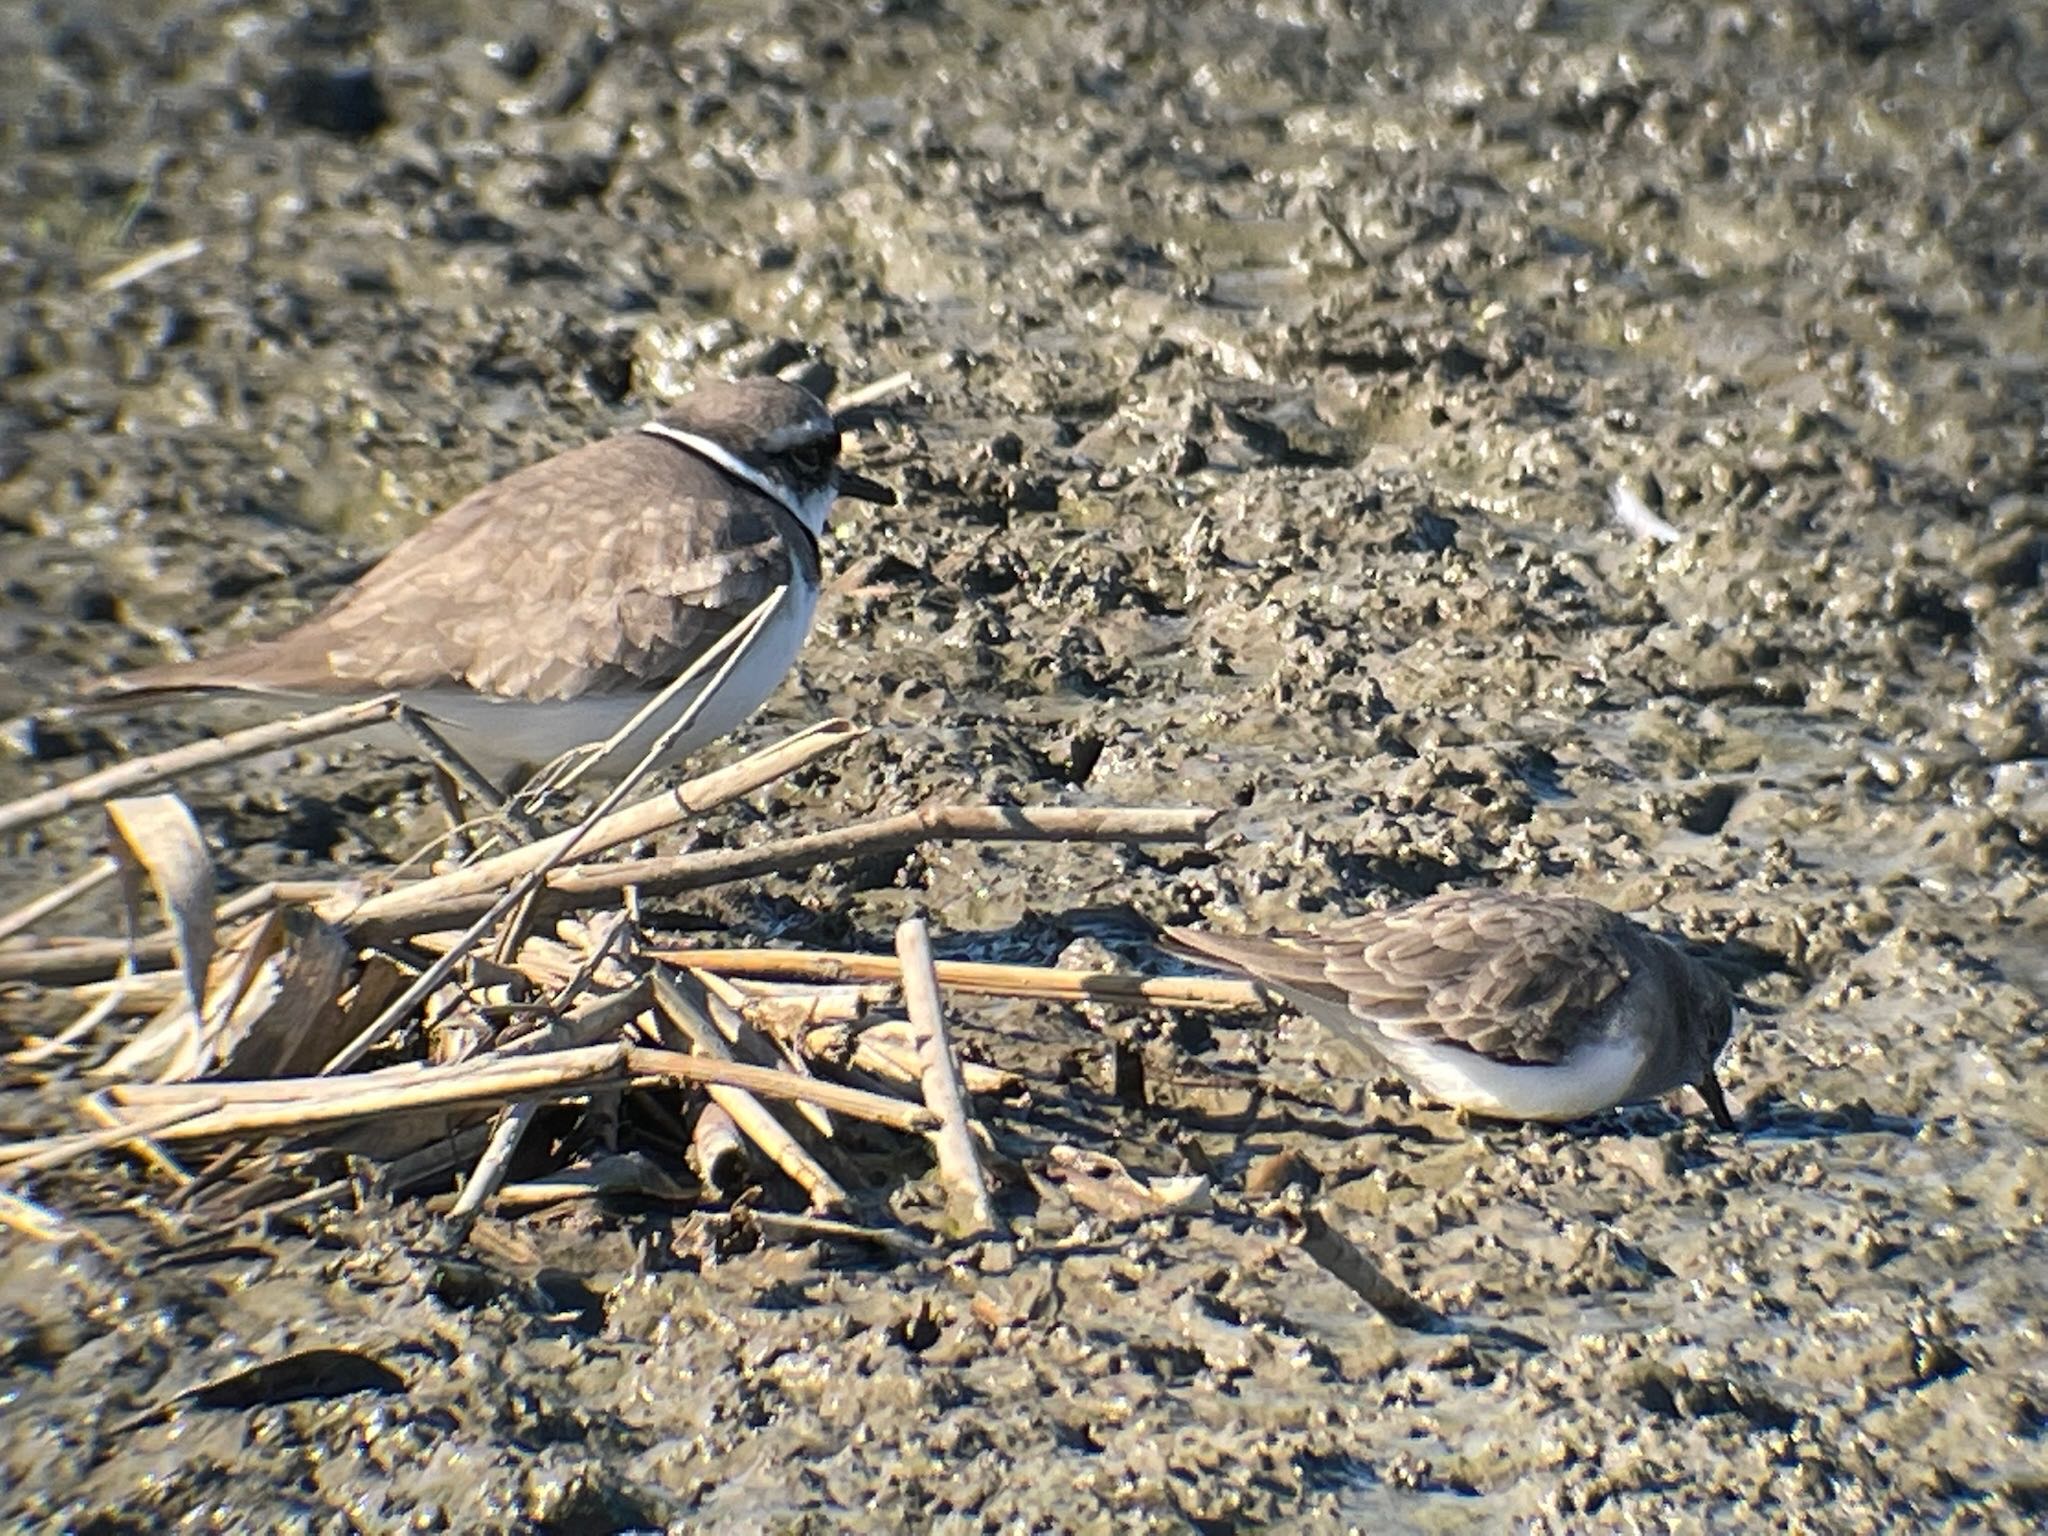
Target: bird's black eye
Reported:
[(812, 458)]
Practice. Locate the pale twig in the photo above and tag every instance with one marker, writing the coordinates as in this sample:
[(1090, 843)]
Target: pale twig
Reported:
[(784, 1224), (959, 1163), (1026, 981), (599, 1019), (29, 913), (72, 961), (141, 772), (97, 1014), (19, 1214), (653, 815), (148, 264), (888, 1048), (607, 930), (872, 394), (304, 1105), (34, 1156), (609, 1176), (718, 1150), (96, 1107), (1345, 1261), (518, 902), (605, 1016), (727, 1011), (588, 885), (496, 1162), (1342, 231), (686, 1007)]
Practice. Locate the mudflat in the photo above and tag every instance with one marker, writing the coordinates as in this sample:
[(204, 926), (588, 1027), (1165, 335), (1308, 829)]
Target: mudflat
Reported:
[(1278, 373)]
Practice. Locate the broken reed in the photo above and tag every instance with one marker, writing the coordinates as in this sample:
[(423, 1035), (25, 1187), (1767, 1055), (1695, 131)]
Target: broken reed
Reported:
[(235, 959)]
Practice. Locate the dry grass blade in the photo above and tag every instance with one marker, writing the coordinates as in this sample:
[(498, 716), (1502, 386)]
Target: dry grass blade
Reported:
[(290, 1018), (156, 838), (142, 772), (271, 1006), (1025, 981), (178, 1042), (974, 1208)]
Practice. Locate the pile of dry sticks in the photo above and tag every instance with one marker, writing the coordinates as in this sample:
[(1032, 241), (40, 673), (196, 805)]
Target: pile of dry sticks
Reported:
[(423, 1024)]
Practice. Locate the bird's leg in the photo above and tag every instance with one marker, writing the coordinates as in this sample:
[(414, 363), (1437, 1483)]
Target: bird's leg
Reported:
[(449, 792), (1717, 1105)]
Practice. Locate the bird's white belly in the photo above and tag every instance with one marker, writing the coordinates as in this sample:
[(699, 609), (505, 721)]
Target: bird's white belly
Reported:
[(1593, 1078), (1597, 1076), (498, 736)]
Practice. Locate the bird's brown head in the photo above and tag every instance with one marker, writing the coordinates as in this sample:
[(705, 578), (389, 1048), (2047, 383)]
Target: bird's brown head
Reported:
[(776, 436)]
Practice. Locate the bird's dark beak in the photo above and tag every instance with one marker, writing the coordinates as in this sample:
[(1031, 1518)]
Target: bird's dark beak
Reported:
[(1717, 1105), (860, 486)]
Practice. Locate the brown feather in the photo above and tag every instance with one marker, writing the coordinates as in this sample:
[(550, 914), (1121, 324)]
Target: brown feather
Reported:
[(563, 615), (1515, 978)]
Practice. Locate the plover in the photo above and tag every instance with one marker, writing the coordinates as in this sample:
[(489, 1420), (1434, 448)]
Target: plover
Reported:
[(540, 613), (1517, 1006)]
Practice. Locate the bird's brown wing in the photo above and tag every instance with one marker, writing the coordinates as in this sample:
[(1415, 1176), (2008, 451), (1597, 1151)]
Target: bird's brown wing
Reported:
[(587, 573), (1510, 977)]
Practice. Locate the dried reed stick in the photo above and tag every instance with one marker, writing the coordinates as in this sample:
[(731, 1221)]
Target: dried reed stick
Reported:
[(301, 1105), (718, 1151), (655, 814), (395, 917), (953, 1140), (727, 1010), (49, 1152), (872, 394), (1346, 1262), (491, 1168), (1026, 981), (685, 1006), (140, 772), (29, 913)]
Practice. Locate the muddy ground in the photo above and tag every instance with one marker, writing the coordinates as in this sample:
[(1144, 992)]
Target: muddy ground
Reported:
[(1272, 375)]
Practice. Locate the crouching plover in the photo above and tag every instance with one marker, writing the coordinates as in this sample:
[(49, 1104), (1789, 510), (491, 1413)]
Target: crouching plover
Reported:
[(1522, 1007), (540, 613)]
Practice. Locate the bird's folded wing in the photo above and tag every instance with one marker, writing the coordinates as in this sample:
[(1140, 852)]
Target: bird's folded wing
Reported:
[(520, 591), (1513, 978)]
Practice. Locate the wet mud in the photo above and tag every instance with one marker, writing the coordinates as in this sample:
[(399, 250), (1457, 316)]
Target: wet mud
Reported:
[(1275, 371)]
